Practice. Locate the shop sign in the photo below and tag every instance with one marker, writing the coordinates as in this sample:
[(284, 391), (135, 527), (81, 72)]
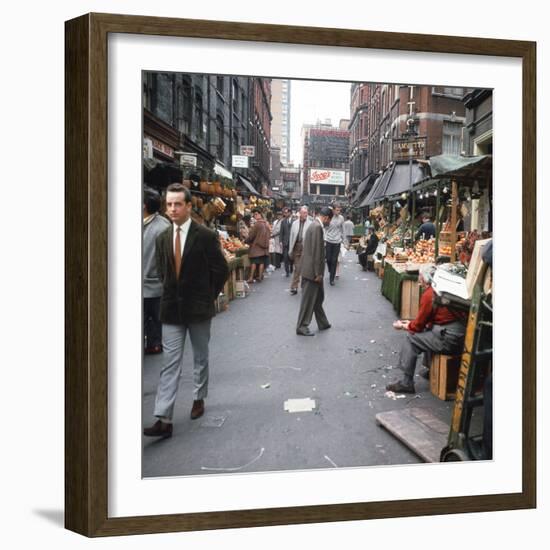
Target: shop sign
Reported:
[(240, 161), (248, 151), (147, 148), (406, 148), (188, 159), (328, 177), (320, 200), (162, 147)]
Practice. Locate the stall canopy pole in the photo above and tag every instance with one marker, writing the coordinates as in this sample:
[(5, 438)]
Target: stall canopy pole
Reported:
[(437, 203), (454, 212)]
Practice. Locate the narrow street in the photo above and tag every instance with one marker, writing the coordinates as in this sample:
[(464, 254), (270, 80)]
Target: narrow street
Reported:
[(257, 363)]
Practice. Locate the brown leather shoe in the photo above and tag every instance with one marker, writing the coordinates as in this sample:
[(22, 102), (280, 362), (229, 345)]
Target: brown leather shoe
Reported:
[(153, 350), (159, 429), (198, 409)]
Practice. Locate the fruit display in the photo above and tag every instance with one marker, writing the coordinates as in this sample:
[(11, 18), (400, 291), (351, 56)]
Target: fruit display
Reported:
[(232, 244), (423, 252), (219, 206), (255, 201)]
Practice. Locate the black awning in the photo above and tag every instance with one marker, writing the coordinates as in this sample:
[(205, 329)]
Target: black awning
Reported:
[(159, 174), (247, 184), (378, 190), (404, 177), (365, 185)]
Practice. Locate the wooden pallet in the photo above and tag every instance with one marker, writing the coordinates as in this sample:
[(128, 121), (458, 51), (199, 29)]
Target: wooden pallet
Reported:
[(418, 429)]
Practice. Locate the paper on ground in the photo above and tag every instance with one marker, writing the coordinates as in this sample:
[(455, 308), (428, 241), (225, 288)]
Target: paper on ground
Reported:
[(299, 405)]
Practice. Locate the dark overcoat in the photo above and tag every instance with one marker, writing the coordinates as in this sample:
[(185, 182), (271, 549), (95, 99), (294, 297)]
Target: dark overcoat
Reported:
[(204, 270)]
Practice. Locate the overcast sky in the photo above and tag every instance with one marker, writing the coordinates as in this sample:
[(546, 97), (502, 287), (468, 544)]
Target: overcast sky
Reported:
[(310, 101)]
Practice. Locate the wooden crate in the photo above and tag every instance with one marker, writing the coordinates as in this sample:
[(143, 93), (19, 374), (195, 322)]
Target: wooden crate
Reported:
[(444, 375), (227, 288), (410, 299)]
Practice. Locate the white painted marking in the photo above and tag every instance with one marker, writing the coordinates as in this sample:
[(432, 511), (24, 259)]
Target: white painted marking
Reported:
[(238, 467)]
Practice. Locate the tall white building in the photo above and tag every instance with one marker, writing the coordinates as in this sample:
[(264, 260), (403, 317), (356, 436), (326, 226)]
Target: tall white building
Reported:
[(280, 111)]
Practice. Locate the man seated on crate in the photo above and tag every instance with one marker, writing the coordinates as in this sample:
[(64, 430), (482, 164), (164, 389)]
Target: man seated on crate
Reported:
[(367, 246), (436, 329)]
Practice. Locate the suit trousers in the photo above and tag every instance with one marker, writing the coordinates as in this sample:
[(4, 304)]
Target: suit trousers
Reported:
[(152, 327), (286, 259), (447, 339), (297, 259), (332, 251), (173, 341), (313, 295)]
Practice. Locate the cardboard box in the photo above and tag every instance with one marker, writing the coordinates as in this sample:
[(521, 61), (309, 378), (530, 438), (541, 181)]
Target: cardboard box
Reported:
[(444, 375), (410, 299)]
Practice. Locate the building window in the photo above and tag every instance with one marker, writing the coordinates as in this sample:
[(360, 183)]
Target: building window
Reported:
[(452, 133), (198, 116), (219, 84), (235, 96), (457, 93), (219, 135), (184, 106)]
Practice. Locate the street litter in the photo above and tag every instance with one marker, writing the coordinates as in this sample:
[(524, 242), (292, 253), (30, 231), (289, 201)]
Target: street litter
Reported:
[(211, 421), (394, 396), (373, 385), (373, 341), (265, 386), (299, 405), (348, 394), (364, 279)]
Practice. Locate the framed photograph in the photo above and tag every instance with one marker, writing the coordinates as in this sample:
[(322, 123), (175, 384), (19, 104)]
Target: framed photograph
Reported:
[(202, 125)]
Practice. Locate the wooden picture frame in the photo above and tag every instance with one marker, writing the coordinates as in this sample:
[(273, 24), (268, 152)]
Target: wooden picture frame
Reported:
[(86, 230)]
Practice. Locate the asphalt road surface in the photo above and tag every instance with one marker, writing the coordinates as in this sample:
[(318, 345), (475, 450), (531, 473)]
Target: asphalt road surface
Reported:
[(258, 363)]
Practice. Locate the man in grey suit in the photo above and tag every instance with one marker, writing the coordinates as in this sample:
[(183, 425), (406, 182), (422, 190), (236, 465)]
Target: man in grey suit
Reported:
[(297, 232), (192, 270), (313, 268)]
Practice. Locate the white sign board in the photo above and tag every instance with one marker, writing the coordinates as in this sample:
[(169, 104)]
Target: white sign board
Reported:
[(147, 148), (188, 159), (328, 177), (240, 161)]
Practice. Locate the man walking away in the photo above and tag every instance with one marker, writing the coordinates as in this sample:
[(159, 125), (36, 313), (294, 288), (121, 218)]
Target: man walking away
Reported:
[(348, 230), (193, 270), (153, 225), (334, 237), (284, 237), (297, 232), (313, 268)]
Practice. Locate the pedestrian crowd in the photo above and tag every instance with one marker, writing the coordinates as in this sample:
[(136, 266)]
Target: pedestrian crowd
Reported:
[(184, 271)]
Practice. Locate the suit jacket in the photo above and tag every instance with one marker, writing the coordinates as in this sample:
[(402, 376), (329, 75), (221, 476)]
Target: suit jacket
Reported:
[(284, 232), (204, 270), (294, 228), (313, 255)]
